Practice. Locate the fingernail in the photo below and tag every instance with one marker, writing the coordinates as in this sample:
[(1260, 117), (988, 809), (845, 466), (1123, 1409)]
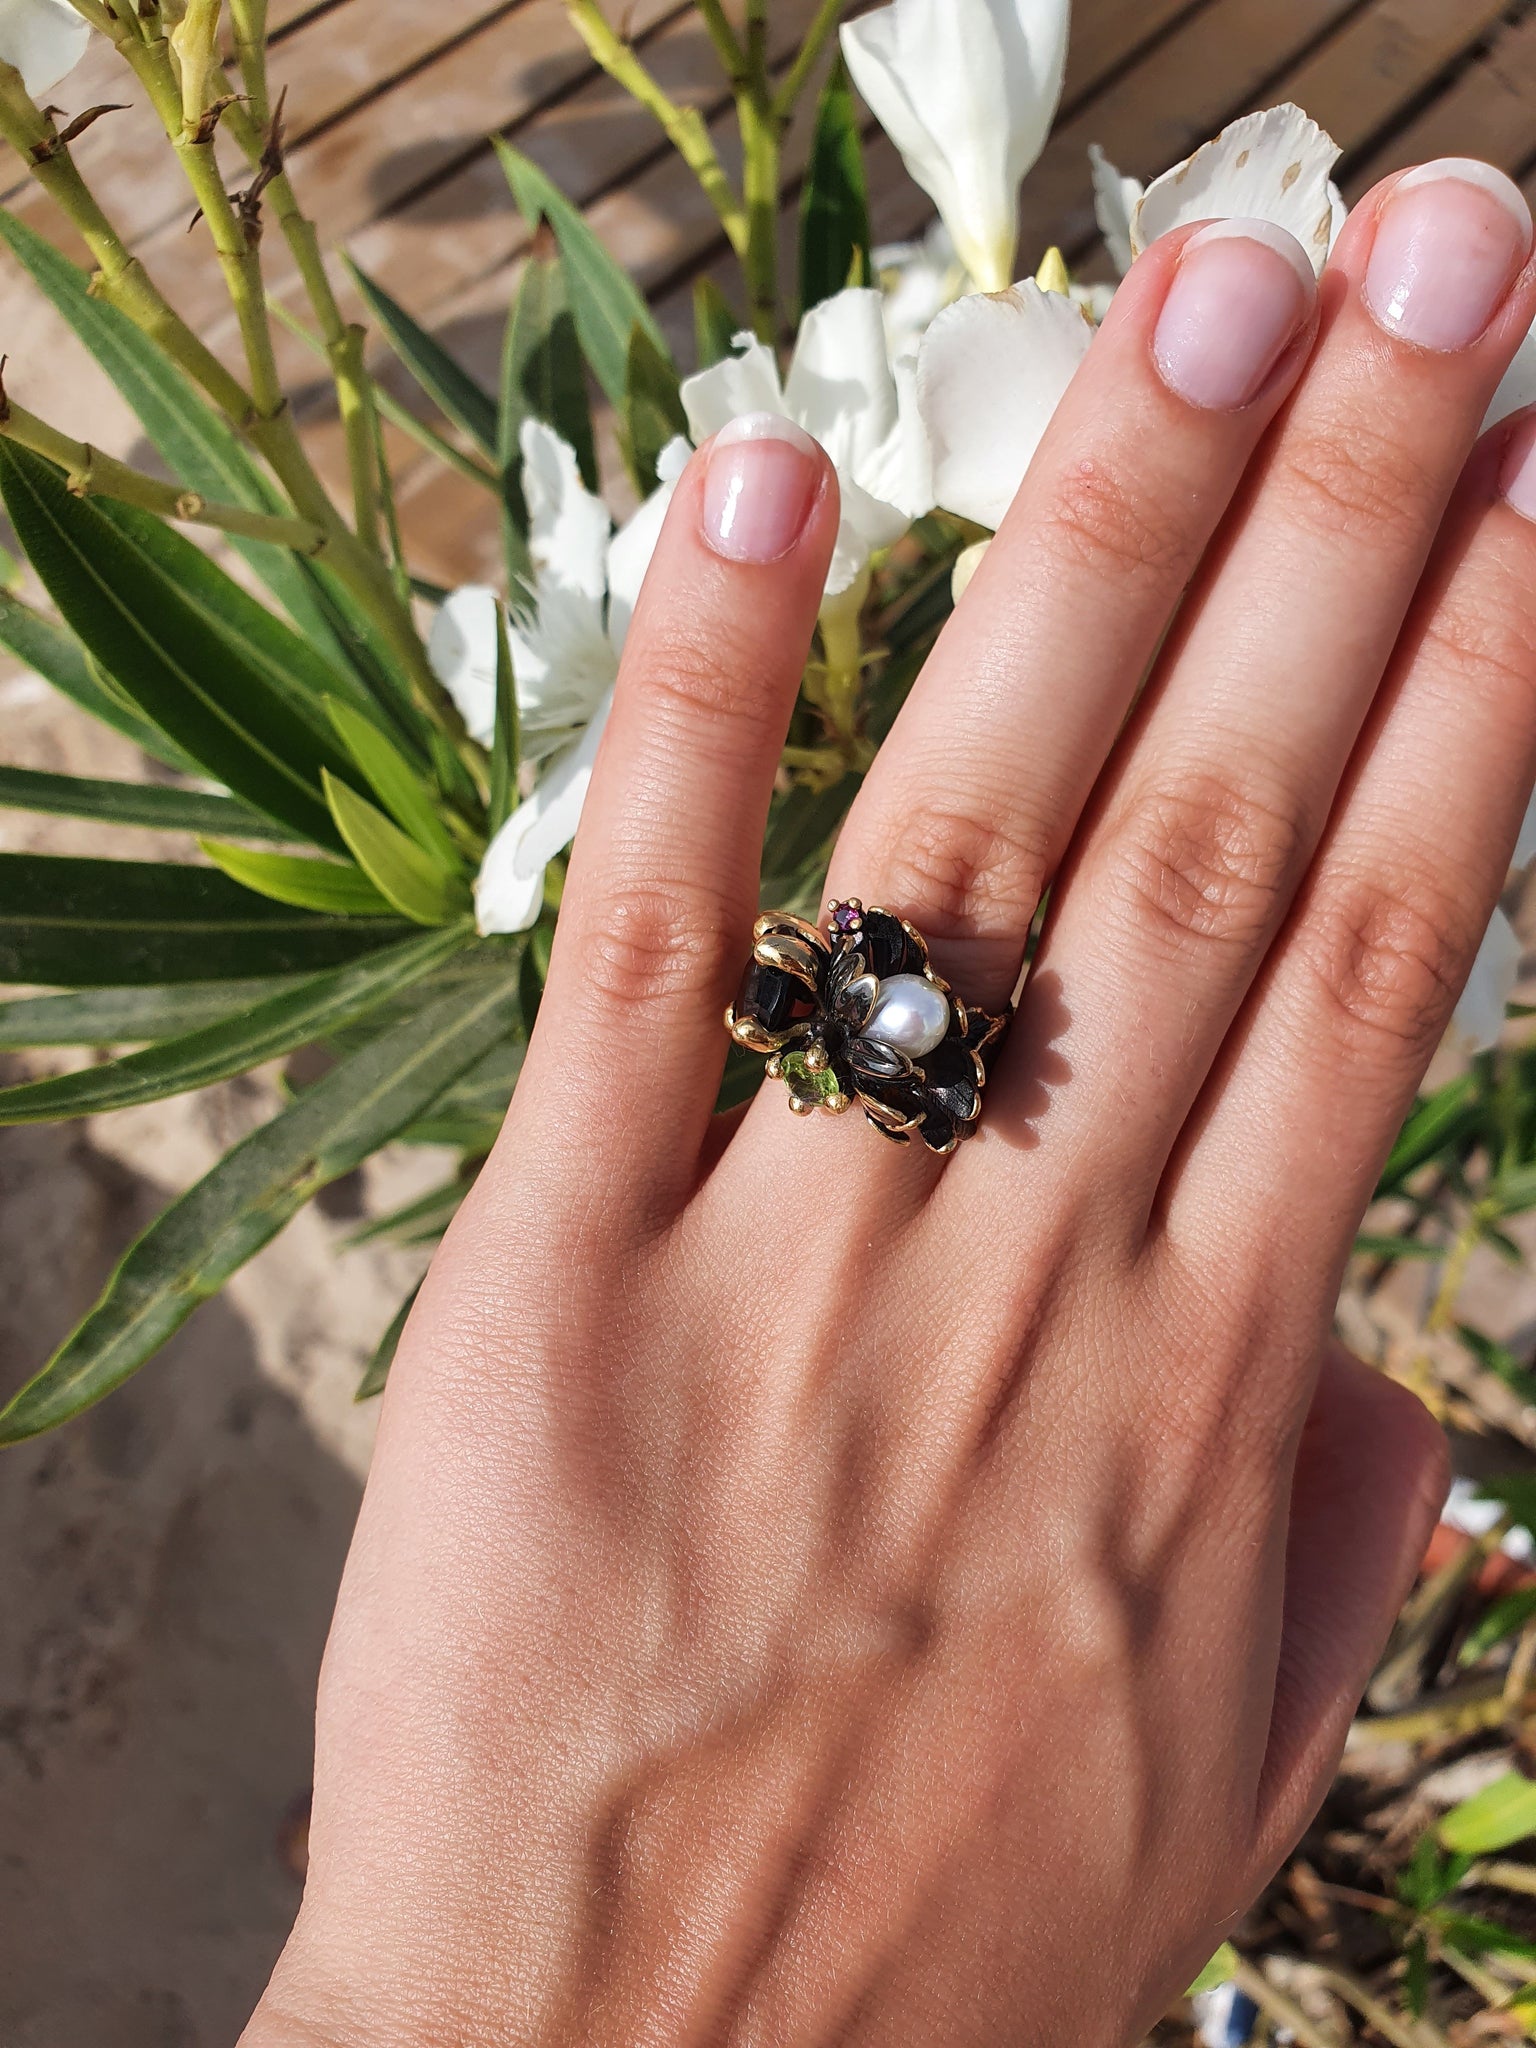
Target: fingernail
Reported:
[(1452, 238), (759, 488), (1517, 476), (1242, 291)]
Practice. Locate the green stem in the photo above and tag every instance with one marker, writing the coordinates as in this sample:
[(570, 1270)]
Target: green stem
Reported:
[(723, 36), (842, 646), (684, 127), (761, 131), (92, 474), (249, 20), (787, 98)]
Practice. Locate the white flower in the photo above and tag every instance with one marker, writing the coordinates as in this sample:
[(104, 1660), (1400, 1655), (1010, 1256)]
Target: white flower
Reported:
[(843, 389), (967, 90), (565, 657), (1275, 166), (1479, 1017), (919, 279), (44, 39), (992, 370)]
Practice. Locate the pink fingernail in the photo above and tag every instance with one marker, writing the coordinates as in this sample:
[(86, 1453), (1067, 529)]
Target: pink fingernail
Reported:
[(1517, 476), (1241, 294), (1452, 238), (759, 488)]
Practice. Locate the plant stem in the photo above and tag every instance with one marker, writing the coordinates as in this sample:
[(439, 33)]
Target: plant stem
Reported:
[(761, 129), (249, 19), (94, 475), (685, 127), (1420, 2034), (805, 62), (723, 36)]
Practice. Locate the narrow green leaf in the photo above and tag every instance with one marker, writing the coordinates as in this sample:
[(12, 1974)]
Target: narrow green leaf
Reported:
[(446, 382), (1372, 1246), (1516, 1494), (369, 655), (507, 739), (292, 666), (1484, 1937), (604, 302), (214, 1052), (193, 1248), (542, 378), (1506, 1617), (411, 880), (1218, 1971), (68, 923), (834, 199), (195, 681), (198, 447), (428, 1216), (1416, 1976), (1434, 1122), (151, 804), (129, 1016), (330, 885), (653, 411), (373, 1380), (396, 784), (57, 656), (715, 324)]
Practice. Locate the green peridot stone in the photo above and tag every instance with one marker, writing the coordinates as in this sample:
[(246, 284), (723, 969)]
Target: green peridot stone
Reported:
[(823, 1085)]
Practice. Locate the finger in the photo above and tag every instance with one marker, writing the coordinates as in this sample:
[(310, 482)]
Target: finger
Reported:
[(972, 798), (662, 885), (1370, 1481), (1203, 832), (1358, 992)]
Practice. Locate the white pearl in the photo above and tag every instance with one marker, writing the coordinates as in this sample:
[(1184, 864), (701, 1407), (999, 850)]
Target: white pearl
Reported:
[(910, 1014)]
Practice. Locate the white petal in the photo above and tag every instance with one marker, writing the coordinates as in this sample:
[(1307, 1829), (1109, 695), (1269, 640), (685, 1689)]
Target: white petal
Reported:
[(918, 280), (1519, 386), (867, 524), (966, 89), (1479, 1015), (840, 387), (992, 371), (1274, 166), (746, 382), (629, 555), (558, 797), (44, 39), (967, 563), (1339, 213), (1115, 200), (461, 647), (568, 527), (508, 892)]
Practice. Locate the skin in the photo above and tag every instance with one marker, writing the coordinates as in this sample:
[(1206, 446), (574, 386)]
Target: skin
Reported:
[(813, 1592)]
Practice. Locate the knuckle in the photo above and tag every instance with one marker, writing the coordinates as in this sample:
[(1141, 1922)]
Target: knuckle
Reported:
[(1207, 863), (1389, 958), (1359, 483), (1098, 521), (691, 677), (962, 875), (646, 947)]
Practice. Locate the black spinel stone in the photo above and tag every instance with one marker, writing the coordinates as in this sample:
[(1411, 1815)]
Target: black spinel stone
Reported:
[(768, 996)]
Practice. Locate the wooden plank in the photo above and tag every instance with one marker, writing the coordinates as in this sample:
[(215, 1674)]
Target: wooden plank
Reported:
[(1489, 111), (1363, 76)]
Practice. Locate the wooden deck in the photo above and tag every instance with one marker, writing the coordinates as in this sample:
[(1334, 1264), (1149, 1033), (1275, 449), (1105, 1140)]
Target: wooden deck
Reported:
[(390, 103)]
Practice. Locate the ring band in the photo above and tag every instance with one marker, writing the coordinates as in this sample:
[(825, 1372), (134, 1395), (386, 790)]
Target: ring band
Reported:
[(856, 1014)]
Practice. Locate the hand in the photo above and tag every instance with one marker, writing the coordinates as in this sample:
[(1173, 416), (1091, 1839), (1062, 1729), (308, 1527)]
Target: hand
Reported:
[(810, 1590)]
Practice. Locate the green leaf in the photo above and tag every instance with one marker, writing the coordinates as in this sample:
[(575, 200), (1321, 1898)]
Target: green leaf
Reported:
[(1515, 1190), (1435, 1121), (507, 739), (1516, 1494), (1506, 1617), (267, 1031), (1371, 1246), (395, 783), (447, 383), (415, 1222), (59, 659), (1501, 1813), (107, 923), (653, 412), (1416, 1975), (373, 1379), (198, 447), (1218, 1971), (542, 379), (1483, 1937), (369, 655), (715, 324), (834, 200), (1429, 1876), (151, 804), (201, 1240), (196, 681), (290, 664), (129, 1016), (329, 885), (604, 302), (411, 880)]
